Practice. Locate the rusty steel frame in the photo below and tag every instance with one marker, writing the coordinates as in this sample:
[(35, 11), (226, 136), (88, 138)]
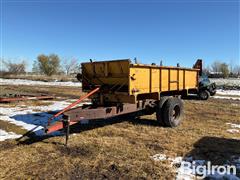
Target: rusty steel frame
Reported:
[(93, 113), (89, 112)]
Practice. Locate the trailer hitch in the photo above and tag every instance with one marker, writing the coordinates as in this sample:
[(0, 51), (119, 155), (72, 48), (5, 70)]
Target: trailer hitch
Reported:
[(66, 122)]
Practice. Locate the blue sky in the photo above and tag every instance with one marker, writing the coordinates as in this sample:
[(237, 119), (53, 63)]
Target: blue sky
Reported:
[(172, 31)]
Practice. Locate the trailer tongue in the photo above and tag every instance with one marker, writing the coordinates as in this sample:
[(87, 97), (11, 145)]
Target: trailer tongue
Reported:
[(66, 122)]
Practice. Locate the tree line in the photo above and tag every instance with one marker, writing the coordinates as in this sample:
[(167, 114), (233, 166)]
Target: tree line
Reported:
[(44, 64), (52, 64), (221, 69)]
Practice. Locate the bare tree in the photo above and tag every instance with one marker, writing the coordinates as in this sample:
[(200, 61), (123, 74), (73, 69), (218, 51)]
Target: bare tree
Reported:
[(15, 68), (35, 67), (206, 70), (236, 70), (216, 65), (231, 65), (224, 70), (70, 66)]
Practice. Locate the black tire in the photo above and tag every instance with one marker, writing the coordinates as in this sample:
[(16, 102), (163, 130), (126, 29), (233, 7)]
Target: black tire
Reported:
[(159, 111), (173, 112), (213, 93), (204, 95)]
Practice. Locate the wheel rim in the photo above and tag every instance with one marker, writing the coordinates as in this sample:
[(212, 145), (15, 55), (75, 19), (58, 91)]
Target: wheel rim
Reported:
[(204, 95), (175, 113)]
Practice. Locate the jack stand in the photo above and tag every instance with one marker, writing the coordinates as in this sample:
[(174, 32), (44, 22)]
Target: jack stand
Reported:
[(66, 123)]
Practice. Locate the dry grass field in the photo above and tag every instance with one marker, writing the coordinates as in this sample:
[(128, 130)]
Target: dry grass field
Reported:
[(121, 148), (39, 77)]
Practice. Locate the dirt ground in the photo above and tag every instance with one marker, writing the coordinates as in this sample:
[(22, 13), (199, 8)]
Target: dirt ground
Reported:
[(39, 77), (60, 91), (122, 148)]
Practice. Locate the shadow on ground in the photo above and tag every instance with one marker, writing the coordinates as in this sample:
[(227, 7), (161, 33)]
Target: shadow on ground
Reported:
[(191, 97), (76, 128), (219, 151), (39, 119)]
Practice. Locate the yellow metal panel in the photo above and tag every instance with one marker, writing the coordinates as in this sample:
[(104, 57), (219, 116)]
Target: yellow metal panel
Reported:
[(180, 79), (87, 68), (107, 72), (110, 81), (119, 67), (190, 79), (164, 79), (140, 80), (109, 68), (99, 69), (173, 79), (155, 80)]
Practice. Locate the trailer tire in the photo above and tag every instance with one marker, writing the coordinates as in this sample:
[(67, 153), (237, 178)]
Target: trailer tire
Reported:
[(159, 110), (213, 93), (204, 95), (173, 112)]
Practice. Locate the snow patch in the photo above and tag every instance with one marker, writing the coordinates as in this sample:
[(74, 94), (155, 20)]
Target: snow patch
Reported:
[(226, 97), (182, 173), (186, 173), (226, 82), (32, 117), (234, 125), (159, 157), (233, 131), (8, 135), (234, 128), (41, 83), (228, 92)]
